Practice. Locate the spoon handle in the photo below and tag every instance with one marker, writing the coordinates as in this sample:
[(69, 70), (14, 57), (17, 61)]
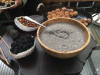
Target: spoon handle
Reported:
[(28, 18)]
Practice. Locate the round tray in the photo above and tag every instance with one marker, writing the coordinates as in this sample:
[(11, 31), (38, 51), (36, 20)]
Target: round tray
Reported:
[(81, 14)]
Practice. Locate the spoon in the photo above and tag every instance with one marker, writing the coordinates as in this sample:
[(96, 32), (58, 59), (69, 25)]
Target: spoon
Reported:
[(66, 35)]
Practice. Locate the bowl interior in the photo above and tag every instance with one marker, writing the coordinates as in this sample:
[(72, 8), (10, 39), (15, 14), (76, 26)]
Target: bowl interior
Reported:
[(22, 24), (23, 27)]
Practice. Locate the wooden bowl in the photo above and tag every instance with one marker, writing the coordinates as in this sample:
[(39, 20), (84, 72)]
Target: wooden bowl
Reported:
[(67, 54)]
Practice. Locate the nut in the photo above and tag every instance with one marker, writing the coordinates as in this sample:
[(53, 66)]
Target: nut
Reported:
[(27, 23)]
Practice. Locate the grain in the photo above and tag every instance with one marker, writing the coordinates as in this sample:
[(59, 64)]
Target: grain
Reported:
[(76, 38)]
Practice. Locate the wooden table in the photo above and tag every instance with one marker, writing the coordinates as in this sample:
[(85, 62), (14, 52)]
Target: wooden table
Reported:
[(48, 1), (40, 63)]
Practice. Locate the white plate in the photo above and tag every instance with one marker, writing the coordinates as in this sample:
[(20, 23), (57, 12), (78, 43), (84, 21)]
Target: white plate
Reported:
[(97, 22), (5, 7)]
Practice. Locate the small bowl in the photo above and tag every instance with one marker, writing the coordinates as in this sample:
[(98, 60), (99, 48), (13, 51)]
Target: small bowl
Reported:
[(22, 27), (24, 53)]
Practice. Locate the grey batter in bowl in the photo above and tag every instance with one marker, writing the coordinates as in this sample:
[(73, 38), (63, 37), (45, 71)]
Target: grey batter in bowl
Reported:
[(76, 38)]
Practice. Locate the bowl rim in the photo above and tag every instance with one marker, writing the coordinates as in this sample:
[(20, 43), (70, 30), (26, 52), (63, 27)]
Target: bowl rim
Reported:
[(55, 51), (16, 19)]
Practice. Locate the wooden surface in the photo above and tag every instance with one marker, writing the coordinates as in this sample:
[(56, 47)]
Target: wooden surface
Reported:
[(69, 1), (67, 54), (47, 1), (40, 63)]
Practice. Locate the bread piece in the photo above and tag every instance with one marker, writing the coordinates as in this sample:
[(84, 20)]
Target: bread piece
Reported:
[(75, 13), (82, 20)]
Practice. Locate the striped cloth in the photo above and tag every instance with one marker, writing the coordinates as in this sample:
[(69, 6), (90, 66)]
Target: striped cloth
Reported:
[(5, 70)]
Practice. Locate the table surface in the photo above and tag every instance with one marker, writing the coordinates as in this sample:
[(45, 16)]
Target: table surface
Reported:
[(47, 1), (40, 63), (94, 59)]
